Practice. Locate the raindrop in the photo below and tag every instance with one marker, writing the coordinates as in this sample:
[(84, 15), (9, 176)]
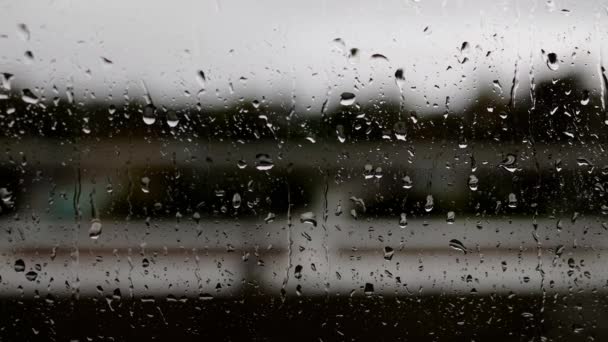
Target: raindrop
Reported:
[(512, 201), (347, 99), (582, 161), (407, 182), (145, 184), (263, 162), (353, 56), (403, 220), (368, 290), (309, 217), (399, 79), (31, 275), (172, 119), (457, 245), (429, 203), (106, 61), (388, 253), (558, 165), (29, 56), (451, 217), (95, 229), (473, 182), (29, 97), (585, 98), (340, 133), (6, 196), (236, 200), (269, 218), (297, 273), (509, 163), (552, 61), (149, 115), (201, 79), (379, 56), (19, 265), (24, 31)]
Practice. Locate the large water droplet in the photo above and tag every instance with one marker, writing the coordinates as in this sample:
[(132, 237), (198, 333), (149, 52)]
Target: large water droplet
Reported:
[(368, 290), (95, 229), (236, 200), (347, 99), (407, 182), (263, 162), (552, 61), (340, 133), (509, 163), (145, 184), (149, 114), (172, 119), (451, 217), (403, 220), (31, 275), (512, 201), (19, 265), (28, 96), (309, 217), (201, 79), (429, 203), (457, 245), (473, 182), (24, 31), (297, 272), (400, 79), (388, 253)]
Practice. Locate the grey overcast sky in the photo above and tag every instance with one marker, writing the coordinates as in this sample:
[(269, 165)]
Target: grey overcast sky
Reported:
[(272, 49)]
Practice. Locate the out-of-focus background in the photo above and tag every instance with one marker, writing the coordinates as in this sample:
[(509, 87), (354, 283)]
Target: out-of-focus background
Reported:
[(320, 170)]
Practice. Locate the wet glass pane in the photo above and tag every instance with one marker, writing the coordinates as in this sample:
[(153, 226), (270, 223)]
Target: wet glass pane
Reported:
[(304, 170)]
